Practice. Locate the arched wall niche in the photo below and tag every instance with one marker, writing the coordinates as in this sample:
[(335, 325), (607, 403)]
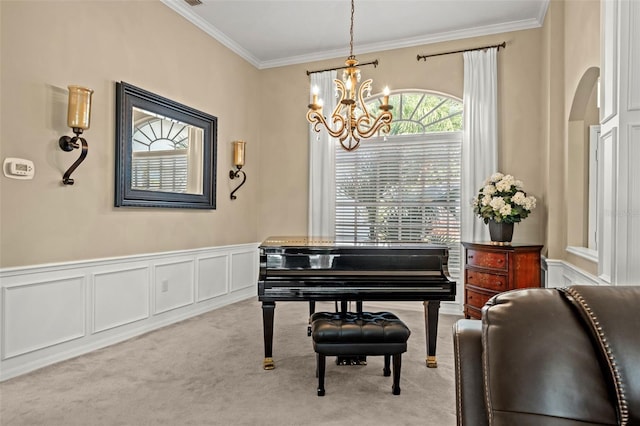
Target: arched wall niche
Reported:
[(581, 171)]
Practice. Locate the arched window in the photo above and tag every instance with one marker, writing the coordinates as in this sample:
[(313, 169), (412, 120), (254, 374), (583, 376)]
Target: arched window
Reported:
[(405, 186), (419, 112)]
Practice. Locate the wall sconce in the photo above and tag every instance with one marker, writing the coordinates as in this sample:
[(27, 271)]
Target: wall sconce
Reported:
[(238, 161), (78, 118)]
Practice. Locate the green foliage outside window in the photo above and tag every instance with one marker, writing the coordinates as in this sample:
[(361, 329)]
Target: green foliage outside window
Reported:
[(418, 113)]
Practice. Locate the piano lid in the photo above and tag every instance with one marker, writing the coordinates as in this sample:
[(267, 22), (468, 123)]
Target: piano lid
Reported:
[(312, 241)]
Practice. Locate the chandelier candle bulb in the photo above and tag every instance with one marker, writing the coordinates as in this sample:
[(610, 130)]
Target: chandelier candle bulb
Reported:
[(316, 104), (385, 96)]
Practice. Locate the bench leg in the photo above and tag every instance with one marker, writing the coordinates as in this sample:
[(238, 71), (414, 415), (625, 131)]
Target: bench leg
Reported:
[(312, 310), (397, 362), (387, 362), (321, 367)]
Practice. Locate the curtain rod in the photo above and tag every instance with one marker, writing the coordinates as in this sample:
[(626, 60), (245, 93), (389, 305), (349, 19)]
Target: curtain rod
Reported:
[(503, 45), (374, 63)]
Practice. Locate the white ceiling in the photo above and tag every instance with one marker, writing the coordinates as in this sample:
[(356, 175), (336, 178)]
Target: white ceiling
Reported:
[(284, 32)]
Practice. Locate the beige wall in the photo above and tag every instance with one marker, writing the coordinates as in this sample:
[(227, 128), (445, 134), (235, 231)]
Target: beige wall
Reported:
[(571, 48), (283, 184), (42, 221), (48, 45)]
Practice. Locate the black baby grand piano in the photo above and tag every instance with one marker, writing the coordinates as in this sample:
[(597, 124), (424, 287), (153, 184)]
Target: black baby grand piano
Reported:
[(320, 269)]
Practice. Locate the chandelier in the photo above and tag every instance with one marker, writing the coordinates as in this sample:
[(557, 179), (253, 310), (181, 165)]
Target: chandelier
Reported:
[(350, 117)]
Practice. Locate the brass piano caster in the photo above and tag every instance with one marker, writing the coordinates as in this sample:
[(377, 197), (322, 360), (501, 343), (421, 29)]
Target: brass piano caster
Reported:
[(431, 361), (268, 364)]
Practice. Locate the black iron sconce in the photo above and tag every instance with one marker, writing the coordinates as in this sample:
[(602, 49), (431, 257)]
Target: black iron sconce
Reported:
[(238, 161), (78, 118)]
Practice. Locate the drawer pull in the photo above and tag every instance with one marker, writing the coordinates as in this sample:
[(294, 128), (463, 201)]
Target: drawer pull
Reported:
[(470, 257)]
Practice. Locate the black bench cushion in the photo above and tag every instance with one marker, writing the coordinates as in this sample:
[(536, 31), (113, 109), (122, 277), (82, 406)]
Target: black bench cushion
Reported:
[(366, 333)]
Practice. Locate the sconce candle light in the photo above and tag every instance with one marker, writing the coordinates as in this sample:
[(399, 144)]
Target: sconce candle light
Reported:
[(238, 161), (78, 118)]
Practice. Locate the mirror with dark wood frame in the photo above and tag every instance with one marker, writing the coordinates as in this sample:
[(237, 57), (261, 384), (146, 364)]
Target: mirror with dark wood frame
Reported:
[(165, 152)]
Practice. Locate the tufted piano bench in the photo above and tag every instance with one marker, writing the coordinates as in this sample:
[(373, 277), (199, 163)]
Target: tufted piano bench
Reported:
[(359, 334)]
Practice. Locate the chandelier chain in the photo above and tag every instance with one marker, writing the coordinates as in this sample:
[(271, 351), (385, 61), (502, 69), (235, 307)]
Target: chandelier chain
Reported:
[(351, 30)]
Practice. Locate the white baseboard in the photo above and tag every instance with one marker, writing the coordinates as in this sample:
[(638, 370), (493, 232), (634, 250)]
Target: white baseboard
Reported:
[(58, 311)]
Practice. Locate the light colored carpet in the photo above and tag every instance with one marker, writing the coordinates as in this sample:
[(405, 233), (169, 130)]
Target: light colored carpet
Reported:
[(208, 371)]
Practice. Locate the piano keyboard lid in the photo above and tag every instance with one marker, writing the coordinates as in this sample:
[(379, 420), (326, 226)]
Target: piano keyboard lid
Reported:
[(311, 241)]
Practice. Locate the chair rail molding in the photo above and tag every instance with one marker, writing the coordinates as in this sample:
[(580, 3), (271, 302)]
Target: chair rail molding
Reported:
[(54, 312)]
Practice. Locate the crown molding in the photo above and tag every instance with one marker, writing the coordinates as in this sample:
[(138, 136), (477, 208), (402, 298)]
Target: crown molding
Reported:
[(408, 42), (183, 9)]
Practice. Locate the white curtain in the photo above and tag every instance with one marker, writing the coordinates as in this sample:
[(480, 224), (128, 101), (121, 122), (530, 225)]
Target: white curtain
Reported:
[(480, 138), (322, 163)]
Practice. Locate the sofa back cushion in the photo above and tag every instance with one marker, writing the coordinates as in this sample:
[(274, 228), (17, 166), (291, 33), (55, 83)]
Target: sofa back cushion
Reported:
[(541, 365)]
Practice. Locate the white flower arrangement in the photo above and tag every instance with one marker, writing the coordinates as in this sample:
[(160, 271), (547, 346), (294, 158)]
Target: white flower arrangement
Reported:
[(502, 199)]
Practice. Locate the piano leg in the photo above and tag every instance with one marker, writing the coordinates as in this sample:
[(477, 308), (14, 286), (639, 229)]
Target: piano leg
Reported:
[(268, 309), (431, 309)]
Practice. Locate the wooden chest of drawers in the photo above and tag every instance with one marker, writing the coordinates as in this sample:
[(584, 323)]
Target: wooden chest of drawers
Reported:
[(490, 269)]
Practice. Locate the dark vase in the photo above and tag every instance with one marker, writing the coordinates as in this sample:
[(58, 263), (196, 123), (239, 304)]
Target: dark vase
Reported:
[(500, 232)]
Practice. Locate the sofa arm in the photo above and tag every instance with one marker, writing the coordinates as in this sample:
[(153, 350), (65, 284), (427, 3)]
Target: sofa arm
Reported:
[(467, 348)]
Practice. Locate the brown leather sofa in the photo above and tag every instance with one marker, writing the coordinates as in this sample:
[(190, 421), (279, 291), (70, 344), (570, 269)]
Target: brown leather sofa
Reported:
[(555, 357)]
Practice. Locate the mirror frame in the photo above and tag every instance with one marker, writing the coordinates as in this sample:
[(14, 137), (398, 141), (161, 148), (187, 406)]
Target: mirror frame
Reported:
[(128, 97)]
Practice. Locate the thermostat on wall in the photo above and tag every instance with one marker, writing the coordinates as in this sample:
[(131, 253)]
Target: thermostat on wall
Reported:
[(18, 168)]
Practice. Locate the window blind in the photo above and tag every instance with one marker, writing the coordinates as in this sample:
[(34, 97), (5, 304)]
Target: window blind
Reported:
[(405, 188)]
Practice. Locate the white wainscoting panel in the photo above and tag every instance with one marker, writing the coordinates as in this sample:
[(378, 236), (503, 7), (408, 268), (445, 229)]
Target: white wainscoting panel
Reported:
[(242, 276), (41, 314), (213, 276), (174, 285), (54, 312), (120, 297)]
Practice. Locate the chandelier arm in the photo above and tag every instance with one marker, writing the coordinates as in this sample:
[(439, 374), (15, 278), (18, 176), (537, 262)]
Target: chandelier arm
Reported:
[(382, 122), (318, 119), (364, 121), (363, 87), (350, 133), (343, 90)]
